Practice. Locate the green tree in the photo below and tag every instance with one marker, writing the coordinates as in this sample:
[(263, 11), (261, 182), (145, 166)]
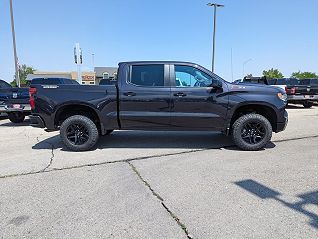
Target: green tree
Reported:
[(24, 71), (273, 74), (304, 75)]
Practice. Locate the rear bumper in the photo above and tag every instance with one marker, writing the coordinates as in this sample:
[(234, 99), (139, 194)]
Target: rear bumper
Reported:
[(18, 107), (36, 121), (302, 98)]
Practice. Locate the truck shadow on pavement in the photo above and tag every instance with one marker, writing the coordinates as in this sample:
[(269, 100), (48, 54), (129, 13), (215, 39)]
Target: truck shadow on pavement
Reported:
[(150, 139), (153, 139), (264, 193), (10, 124)]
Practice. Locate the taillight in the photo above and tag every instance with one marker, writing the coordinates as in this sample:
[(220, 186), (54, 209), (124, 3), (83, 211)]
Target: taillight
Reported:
[(32, 91), (290, 91), (293, 91)]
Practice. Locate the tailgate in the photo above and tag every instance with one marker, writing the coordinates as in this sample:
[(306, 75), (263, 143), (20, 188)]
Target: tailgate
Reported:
[(15, 96), (306, 90)]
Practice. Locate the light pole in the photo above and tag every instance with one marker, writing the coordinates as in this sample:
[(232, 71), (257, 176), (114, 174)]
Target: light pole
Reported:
[(214, 29), (17, 75), (244, 63), (93, 61)]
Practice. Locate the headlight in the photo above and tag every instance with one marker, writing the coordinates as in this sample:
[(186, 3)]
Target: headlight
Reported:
[(282, 96)]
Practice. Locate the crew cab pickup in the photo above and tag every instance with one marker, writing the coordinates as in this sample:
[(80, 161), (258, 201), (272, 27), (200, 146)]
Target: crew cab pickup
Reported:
[(14, 102), (160, 96)]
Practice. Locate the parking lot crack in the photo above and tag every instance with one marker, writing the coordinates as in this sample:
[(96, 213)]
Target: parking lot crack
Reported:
[(154, 193), (51, 159), (47, 169)]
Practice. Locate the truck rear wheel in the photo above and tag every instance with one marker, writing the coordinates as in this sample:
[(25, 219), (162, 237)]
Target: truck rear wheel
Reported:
[(308, 104), (16, 117), (79, 133), (251, 132)]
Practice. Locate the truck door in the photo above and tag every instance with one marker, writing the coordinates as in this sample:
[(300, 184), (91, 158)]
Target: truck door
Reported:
[(198, 101), (145, 97)]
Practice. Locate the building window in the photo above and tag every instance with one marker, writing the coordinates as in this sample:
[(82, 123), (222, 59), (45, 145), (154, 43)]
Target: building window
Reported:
[(91, 83), (105, 75)]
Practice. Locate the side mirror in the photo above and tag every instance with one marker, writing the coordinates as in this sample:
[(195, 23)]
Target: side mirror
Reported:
[(216, 84)]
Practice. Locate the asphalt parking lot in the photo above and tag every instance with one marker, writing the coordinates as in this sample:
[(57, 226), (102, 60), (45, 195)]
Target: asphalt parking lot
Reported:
[(160, 185)]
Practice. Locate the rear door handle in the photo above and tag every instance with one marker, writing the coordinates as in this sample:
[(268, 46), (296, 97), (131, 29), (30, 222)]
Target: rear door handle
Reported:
[(180, 94), (129, 94)]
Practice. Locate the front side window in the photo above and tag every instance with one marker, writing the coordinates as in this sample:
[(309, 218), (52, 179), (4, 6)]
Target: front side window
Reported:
[(187, 76), (147, 75)]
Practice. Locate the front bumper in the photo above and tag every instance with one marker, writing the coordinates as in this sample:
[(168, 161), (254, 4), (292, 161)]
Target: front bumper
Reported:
[(36, 121), (281, 126)]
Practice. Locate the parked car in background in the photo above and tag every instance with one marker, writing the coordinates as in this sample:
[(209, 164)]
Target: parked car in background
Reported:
[(14, 102), (160, 96), (303, 91)]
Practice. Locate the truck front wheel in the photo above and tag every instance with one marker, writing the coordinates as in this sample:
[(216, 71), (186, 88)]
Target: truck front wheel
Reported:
[(16, 117), (79, 133), (251, 132), (308, 104)]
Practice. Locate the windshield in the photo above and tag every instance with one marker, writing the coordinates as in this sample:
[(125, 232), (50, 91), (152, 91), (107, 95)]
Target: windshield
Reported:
[(4, 84)]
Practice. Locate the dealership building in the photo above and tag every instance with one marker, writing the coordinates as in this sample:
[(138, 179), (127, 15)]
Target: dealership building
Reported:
[(88, 77)]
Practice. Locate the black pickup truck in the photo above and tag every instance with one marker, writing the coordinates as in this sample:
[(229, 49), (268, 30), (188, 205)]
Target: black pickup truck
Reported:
[(160, 96), (14, 101), (303, 91)]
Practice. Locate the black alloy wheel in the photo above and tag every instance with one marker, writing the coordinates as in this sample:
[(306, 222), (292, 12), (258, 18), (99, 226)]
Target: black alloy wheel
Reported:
[(253, 132), (77, 134)]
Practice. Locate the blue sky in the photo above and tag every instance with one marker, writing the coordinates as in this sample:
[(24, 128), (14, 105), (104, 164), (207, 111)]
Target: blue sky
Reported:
[(273, 33)]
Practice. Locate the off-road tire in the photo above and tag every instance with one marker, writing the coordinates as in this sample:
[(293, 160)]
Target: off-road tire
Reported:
[(87, 123), (238, 128), (16, 117), (308, 104)]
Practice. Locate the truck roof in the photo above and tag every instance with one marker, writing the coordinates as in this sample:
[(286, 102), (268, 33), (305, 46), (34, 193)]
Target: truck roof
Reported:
[(158, 62)]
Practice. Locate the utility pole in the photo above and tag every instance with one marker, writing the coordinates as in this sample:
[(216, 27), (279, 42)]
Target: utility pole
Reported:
[(17, 75), (215, 5)]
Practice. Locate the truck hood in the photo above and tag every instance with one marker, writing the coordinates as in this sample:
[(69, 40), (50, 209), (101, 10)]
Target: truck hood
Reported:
[(255, 88)]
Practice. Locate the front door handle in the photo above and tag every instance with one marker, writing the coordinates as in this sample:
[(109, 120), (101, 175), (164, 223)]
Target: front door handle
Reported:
[(180, 94), (129, 94)]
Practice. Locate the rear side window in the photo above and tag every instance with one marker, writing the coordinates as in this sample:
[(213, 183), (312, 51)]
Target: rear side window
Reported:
[(43, 81), (147, 75)]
